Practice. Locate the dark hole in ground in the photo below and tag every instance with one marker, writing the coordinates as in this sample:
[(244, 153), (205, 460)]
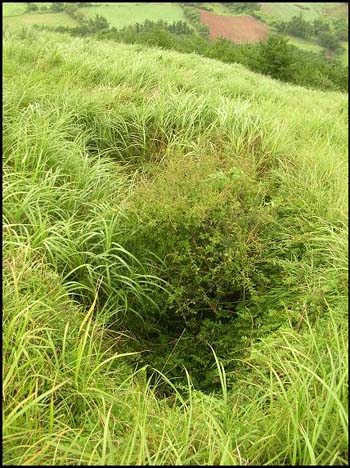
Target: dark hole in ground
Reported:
[(182, 343)]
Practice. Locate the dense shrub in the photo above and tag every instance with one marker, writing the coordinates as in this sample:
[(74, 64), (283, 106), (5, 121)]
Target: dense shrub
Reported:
[(57, 6), (276, 58), (197, 219), (297, 26), (176, 27), (32, 6), (340, 28), (242, 7), (329, 40)]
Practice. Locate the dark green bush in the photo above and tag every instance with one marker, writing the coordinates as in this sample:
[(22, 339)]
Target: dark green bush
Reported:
[(202, 229)]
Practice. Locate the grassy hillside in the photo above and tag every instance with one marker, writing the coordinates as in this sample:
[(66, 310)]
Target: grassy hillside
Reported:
[(48, 19), (310, 10), (185, 210), (13, 9)]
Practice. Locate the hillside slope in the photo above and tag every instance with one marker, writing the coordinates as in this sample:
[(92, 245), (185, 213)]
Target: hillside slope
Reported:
[(169, 212)]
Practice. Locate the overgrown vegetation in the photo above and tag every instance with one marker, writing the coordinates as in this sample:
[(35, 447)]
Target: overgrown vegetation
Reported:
[(175, 260), (247, 8)]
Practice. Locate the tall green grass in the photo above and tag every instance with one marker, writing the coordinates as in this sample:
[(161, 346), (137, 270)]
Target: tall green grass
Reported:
[(103, 142)]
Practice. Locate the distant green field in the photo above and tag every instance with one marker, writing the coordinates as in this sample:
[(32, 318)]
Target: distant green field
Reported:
[(51, 19), (314, 47), (310, 11), (303, 44), (124, 14), (13, 9)]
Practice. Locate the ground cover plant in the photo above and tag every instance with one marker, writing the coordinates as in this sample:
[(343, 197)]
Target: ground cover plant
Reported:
[(175, 260)]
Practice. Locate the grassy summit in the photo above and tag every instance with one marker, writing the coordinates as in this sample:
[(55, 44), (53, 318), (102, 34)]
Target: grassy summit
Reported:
[(175, 260)]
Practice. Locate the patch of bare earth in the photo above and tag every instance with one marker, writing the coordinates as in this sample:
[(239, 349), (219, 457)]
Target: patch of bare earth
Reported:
[(238, 29)]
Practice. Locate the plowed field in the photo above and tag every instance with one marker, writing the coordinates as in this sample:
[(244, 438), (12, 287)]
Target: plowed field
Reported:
[(236, 28)]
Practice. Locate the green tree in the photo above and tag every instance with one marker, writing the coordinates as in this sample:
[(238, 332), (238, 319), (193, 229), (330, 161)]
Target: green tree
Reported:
[(158, 37), (242, 7), (222, 49), (57, 6), (32, 7), (341, 29), (329, 41), (99, 23), (71, 9), (320, 25), (281, 26), (298, 27), (276, 58)]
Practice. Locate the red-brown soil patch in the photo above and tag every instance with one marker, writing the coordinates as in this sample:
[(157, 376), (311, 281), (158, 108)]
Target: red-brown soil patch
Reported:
[(243, 28)]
